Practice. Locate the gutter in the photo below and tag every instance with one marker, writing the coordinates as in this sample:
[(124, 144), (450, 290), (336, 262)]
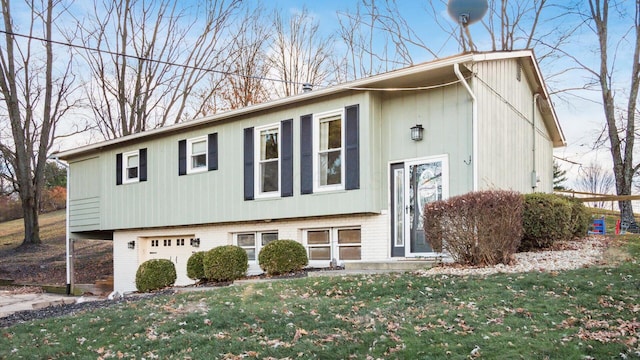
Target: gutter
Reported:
[(534, 174), (474, 124), (68, 234)]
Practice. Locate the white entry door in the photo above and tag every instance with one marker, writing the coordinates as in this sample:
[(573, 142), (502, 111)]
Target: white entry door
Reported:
[(415, 183)]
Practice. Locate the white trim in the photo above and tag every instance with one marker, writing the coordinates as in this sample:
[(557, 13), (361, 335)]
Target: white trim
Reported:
[(444, 158), (317, 119), (333, 245), (125, 173), (258, 194), (190, 142), (257, 242)]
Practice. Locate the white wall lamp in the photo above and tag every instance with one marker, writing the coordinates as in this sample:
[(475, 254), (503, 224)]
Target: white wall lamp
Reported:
[(417, 132), (131, 244)]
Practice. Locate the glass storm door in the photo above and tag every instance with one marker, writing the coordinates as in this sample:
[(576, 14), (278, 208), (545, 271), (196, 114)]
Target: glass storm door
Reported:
[(414, 184)]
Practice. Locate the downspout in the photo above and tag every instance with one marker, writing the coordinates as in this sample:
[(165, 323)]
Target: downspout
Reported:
[(534, 174), (68, 234), (474, 124)]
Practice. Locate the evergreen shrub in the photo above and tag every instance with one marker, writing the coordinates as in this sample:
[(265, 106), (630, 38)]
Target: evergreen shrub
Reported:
[(225, 263), (282, 256), (155, 274)]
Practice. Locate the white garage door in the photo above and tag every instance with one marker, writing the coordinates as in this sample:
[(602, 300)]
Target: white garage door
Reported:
[(176, 249)]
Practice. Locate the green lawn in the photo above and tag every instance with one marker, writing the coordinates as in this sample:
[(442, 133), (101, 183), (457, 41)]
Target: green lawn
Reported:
[(590, 313)]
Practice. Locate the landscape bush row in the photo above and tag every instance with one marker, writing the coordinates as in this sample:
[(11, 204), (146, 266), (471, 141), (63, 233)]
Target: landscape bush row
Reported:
[(488, 227), (223, 264), (478, 228)]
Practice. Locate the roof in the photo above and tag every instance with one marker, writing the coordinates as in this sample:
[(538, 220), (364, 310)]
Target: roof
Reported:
[(436, 69)]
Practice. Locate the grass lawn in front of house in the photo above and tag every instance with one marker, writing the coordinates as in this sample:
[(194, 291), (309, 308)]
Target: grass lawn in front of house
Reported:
[(589, 313)]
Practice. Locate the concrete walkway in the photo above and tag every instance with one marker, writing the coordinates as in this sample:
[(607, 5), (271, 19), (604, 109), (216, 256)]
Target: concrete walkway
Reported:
[(11, 302)]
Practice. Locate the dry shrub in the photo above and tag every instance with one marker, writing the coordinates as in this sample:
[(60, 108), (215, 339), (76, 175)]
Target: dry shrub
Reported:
[(478, 228)]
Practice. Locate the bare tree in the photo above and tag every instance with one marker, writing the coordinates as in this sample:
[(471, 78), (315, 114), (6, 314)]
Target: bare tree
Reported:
[(36, 93), (596, 180), (249, 66), (153, 58), (617, 76), (300, 53)]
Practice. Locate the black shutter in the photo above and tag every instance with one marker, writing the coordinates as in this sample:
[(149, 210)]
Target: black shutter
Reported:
[(248, 164), (306, 154), (213, 151), (182, 157), (143, 164), (352, 151), (286, 180), (119, 169)]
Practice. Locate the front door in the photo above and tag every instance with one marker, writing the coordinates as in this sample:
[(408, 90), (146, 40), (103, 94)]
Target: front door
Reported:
[(415, 183)]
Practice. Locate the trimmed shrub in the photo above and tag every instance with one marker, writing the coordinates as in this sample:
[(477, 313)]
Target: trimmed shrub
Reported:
[(282, 256), (155, 274), (546, 219), (580, 218), (225, 263), (478, 228), (195, 269)]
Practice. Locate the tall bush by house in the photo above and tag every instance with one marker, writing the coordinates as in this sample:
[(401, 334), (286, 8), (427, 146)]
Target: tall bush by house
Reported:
[(282, 256), (195, 268), (155, 274), (546, 219), (580, 218), (225, 263), (478, 228)]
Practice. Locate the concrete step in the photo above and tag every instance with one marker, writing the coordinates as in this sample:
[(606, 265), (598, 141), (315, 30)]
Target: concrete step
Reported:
[(398, 265)]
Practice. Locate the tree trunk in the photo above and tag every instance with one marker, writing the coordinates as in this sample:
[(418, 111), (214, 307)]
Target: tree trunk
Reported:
[(31, 224)]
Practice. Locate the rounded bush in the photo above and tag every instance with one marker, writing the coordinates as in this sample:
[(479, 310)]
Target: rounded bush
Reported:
[(546, 219), (155, 274), (478, 228), (225, 263), (580, 218), (282, 256), (195, 269)]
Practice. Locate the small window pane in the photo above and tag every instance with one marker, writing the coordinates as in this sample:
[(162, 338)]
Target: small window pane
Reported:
[(331, 134), (349, 253), (199, 147), (320, 253), (198, 161), (269, 176), (132, 173), (318, 237), (351, 236), (269, 237), (132, 161), (246, 240), (269, 144), (330, 167)]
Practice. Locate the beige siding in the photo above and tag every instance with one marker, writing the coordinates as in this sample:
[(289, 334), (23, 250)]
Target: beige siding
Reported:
[(167, 199), (445, 114), (84, 200), (505, 130)]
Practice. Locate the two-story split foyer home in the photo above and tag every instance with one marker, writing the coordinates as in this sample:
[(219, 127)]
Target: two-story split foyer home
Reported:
[(336, 169)]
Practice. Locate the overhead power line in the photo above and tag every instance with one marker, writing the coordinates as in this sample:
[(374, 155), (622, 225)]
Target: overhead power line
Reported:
[(140, 58)]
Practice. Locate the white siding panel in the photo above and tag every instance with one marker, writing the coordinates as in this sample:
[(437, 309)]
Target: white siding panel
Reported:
[(505, 116), (374, 237)]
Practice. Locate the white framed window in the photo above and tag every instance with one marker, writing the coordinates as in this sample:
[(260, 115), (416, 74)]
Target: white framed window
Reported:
[(267, 159), (328, 149), (252, 242), (325, 245), (131, 167), (197, 154)]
